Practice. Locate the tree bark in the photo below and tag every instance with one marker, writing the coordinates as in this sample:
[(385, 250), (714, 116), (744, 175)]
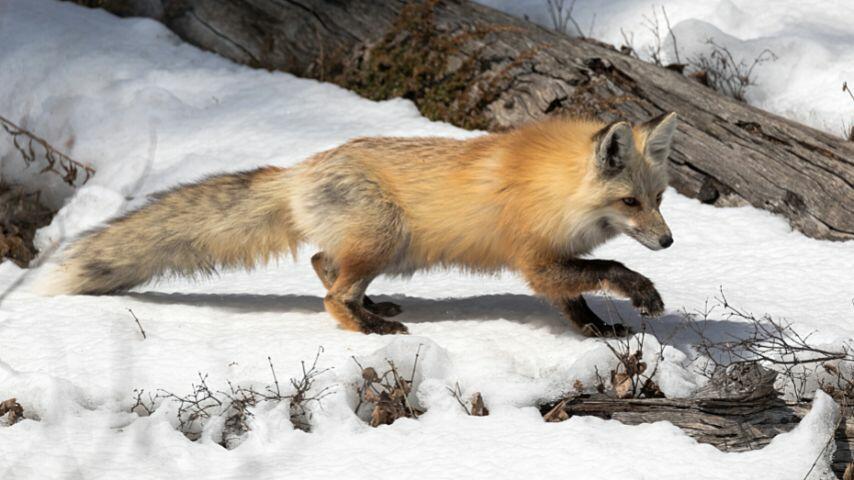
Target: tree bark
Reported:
[(479, 68), (738, 410), (729, 426)]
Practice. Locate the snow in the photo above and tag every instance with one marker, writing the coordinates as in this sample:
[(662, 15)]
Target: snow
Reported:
[(149, 112), (813, 41)]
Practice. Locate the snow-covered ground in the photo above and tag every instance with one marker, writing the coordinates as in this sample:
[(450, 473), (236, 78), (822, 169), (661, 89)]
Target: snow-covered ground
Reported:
[(813, 42), (149, 111)]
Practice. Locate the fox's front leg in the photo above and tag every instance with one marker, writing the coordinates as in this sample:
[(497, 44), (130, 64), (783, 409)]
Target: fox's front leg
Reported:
[(564, 281)]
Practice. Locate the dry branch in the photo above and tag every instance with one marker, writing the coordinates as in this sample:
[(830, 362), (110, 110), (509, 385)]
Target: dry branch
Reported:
[(849, 133), (59, 163), (138, 324)]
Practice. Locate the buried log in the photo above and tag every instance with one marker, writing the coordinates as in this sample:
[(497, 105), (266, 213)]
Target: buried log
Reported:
[(738, 410), (476, 67)]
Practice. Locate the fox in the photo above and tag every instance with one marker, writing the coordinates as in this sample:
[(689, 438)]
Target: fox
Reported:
[(535, 200)]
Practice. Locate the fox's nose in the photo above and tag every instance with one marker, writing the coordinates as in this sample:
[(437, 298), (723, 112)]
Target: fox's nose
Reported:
[(665, 241)]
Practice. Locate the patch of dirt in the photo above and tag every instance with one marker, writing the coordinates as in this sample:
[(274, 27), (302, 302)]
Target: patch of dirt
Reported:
[(21, 214)]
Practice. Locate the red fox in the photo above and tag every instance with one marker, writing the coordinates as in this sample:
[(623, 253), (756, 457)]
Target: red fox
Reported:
[(534, 200)]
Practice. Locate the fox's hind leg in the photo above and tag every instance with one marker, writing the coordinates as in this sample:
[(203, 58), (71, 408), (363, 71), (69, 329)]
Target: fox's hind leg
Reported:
[(327, 271), (345, 297)]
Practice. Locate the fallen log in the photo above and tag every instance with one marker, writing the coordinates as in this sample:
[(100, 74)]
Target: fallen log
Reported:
[(738, 410), (479, 68)]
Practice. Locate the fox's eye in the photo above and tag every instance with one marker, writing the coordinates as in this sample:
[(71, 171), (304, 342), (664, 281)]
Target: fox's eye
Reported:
[(631, 201)]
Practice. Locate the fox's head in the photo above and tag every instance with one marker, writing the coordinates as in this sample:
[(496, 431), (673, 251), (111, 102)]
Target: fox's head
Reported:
[(631, 166)]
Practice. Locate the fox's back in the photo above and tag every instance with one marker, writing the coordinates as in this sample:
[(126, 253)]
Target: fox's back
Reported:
[(465, 202), (430, 183)]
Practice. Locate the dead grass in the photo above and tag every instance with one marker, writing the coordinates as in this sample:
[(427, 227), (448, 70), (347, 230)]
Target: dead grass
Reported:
[(11, 411)]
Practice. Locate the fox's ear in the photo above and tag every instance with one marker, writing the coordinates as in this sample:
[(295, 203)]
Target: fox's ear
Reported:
[(659, 136), (613, 144)]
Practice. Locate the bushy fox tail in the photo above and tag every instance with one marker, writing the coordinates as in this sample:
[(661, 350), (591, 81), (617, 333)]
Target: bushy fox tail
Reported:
[(233, 220)]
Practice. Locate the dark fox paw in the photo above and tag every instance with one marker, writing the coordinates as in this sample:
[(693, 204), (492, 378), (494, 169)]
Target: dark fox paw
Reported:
[(383, 309), (384, 327), (641, 292), (606, 331), (647, 300)]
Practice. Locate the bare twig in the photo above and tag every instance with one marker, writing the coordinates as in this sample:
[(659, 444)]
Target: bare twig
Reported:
[(57, 162), (561, 16), (478, 407), (849, 131), (628, 46), (672, 35), (143, 407), (655, 50), (458, 395), (138, 324), (415, 363), (278, 392)]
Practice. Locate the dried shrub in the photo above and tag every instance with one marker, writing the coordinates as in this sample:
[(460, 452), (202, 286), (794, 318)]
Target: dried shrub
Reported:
[(721, 71), (387, 394), (801, 365), (196, 408), (631, 378), (21, 214), (11, 411), (202, 404)]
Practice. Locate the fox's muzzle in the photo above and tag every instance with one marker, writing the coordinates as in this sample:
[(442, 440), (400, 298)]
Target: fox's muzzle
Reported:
[(653, 233)]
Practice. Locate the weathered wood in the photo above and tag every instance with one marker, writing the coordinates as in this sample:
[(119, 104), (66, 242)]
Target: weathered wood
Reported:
[(729, 426), (477, 67), (738, 410)]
